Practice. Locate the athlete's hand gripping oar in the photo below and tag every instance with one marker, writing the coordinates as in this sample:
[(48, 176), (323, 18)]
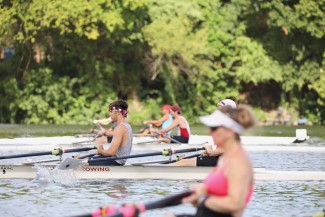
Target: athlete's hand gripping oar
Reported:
[(58, 151), (168, 137), (70, 163), (132, 210)]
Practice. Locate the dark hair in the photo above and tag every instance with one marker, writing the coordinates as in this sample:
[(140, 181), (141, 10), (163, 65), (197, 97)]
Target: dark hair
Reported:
[(176, 108), (119, 105)]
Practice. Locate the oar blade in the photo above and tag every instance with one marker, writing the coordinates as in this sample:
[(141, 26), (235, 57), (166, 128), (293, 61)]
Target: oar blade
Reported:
[(70, 163)]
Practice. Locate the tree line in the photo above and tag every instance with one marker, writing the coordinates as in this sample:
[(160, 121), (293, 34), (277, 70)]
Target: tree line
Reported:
[(63, 61)]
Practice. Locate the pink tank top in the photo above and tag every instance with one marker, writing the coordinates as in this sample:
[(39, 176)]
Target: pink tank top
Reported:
[(217, 184)]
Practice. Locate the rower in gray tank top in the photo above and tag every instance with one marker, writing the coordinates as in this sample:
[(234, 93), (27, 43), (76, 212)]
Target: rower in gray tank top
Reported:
[(126, 149)]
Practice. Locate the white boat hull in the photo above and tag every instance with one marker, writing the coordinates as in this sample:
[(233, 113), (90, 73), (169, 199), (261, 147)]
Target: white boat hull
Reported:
[(194, 139), (161, 146), (147, 172), (249, 148), (142, 143)]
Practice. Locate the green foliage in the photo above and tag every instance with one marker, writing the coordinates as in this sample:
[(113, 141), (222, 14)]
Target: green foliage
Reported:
[(147, 110), (49, 99), (150, 52)]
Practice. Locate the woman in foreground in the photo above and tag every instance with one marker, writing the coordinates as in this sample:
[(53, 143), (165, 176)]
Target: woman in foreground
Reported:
[(228, 188)]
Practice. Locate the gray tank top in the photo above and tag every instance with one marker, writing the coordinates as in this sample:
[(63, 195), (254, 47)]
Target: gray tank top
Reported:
[(125, 150)]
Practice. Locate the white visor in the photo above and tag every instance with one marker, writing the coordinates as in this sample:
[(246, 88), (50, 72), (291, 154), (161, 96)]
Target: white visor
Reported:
[(218, 119), (227, 102)]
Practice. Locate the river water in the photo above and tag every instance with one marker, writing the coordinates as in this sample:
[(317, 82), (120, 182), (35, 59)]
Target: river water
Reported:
[(72, 197)]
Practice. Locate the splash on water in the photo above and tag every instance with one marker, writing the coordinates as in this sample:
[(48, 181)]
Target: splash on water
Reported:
[(47, 176)]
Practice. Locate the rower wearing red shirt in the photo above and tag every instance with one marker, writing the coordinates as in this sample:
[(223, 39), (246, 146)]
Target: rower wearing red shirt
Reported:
[(179, 122)]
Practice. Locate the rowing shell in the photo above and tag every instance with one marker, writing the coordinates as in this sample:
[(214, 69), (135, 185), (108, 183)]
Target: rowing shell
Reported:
[(250, 148), (173, 146), (194, 139), (146, 172)]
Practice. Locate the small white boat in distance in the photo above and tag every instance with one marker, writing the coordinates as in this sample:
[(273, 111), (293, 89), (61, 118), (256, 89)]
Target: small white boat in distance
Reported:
[(145, 172)]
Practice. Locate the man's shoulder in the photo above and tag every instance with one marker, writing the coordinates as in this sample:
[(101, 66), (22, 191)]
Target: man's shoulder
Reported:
[(123, 126)]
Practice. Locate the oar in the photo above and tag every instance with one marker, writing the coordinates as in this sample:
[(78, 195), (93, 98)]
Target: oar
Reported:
[(167, 152), (40, 161), (75, 143), (100, 126), (95, 137), (85, 156), (70, 163), (85, 135), (58, 151), (134, 209), (54, 160), (181, 158), (168, 137), (178, 158)]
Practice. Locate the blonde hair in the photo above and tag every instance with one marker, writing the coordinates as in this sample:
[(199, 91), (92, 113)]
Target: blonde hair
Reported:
[(243, 115)]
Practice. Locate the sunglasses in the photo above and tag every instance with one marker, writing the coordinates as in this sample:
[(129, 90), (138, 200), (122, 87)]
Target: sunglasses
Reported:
[(212, 129)]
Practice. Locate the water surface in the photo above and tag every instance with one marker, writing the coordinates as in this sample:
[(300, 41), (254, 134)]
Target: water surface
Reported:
[(69, 197)]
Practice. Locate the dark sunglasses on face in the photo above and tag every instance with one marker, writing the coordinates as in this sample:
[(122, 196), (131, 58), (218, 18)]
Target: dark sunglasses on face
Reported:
[(212, 129)]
